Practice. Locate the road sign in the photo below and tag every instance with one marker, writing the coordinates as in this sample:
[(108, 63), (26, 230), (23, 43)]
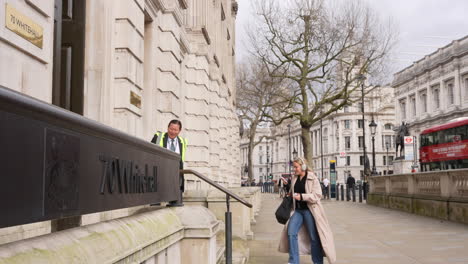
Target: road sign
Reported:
[(342, 154), (409, 140), (409, 151)]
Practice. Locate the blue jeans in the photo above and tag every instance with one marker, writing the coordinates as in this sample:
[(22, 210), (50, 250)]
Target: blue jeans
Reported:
[(295, 223)]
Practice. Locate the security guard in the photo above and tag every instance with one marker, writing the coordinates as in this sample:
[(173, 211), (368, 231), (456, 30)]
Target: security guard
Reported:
[(172, 141)]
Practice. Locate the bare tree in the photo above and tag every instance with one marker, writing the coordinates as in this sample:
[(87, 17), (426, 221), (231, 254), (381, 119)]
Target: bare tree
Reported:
[(258, 95), (325, 49)]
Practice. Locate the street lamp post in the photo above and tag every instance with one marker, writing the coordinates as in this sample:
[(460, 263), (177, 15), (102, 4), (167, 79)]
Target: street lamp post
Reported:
[(321, 143), (362, 78), (271, 160), (373, 128), (289, 147), (386, 147), (267, 161)]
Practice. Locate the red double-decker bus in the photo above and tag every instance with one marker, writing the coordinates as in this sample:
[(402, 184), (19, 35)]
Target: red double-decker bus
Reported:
[(445, 147)]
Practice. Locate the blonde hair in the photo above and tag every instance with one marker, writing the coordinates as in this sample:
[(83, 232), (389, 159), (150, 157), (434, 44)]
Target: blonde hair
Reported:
[(302, 161)]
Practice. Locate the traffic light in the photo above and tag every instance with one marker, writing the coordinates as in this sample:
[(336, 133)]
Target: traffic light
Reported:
[(332, 165)]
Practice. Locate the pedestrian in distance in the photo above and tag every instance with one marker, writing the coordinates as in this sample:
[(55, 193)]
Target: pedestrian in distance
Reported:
[(307, 231), (172, 141), (350, 183), (326, 183)]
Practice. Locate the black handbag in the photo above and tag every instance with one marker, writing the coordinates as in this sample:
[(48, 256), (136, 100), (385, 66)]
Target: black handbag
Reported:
[(284, 210)]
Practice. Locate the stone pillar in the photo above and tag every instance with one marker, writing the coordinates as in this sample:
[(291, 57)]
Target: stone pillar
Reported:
[(240, 213), (388, 185), (411, 184), (201, 227), (445, 184)]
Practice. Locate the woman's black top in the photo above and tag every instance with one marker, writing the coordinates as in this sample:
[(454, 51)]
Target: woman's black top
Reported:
[(299, 187)]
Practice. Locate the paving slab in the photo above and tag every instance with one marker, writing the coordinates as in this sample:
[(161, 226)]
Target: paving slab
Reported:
[(366, 234)]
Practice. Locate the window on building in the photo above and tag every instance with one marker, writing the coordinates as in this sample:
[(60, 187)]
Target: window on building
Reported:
[(384, 160), (347, 143), (260, 170), (387, 139), (346, 109), (361, 160), (435, 96), (347, 124), (268, 148), (325, 145), (277, 151), (390, 160), (361, 142), (413, 105), (325, 140), (388, 126), (450, 94), (337, 143), (260, 159), (423, 100), (466, 86), (360, 123), (403, 108), (348, 161), (260, 148), (360, 108)]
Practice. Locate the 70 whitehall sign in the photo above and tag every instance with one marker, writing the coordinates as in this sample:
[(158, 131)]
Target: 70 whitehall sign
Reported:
[(23, 26), (126, 176)]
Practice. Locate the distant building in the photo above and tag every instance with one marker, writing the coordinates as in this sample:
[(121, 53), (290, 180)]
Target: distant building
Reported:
[(342, 131), (433, 90)]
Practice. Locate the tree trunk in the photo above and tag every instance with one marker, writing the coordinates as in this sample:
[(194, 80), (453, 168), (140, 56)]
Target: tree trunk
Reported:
[(250, 163), (252, 133), (307, 144)]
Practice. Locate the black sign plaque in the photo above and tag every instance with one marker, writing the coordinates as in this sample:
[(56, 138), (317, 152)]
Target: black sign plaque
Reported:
[(54, 164)]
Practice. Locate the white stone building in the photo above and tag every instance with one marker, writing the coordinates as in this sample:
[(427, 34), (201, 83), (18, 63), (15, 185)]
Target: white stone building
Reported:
[(133, 65), (342, 132), (433, 90)]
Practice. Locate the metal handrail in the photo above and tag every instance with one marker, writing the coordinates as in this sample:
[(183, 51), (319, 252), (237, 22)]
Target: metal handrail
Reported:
[(217, 186), (227, 216)]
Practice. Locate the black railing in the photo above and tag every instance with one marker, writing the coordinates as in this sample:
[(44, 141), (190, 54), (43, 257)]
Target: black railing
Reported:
[(227, 216)]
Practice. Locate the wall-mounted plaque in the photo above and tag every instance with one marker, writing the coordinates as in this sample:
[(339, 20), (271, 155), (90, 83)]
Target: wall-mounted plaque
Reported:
[(23, 26), (135, 99)]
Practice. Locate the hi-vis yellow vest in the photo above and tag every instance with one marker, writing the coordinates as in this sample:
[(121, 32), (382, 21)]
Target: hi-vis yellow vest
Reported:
[(181, 139)]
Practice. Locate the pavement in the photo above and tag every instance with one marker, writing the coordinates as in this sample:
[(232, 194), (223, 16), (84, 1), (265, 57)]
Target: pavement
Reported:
[(365, 234)]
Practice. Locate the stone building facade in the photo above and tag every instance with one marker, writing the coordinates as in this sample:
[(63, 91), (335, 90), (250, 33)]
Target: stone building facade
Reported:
[(342, 131), (433, 90), (143, 63)]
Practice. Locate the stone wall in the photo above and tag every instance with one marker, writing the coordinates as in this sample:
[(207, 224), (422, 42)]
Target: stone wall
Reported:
[(178, 235), (441, 194)]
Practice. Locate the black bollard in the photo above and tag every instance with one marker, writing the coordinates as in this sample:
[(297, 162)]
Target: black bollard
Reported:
[(342, 192), (360, 193), (337, 191), (353, 189), (365, 190)]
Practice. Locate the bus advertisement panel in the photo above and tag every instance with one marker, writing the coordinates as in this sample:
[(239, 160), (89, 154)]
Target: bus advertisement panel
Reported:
[(445, 147)]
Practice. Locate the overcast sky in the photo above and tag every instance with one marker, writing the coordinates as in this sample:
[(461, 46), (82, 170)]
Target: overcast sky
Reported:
[(424, 26)]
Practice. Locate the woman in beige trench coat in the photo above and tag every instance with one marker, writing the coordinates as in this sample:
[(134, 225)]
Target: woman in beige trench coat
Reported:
[(311, 197)]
